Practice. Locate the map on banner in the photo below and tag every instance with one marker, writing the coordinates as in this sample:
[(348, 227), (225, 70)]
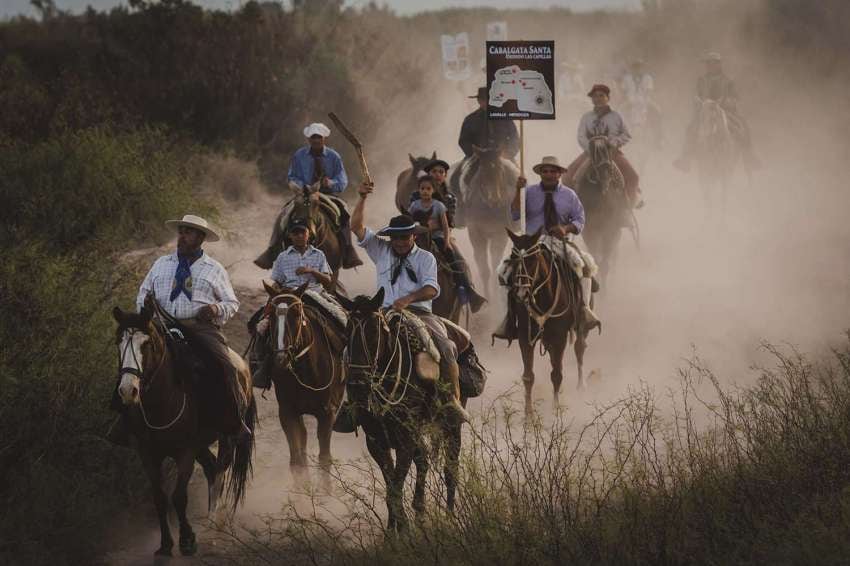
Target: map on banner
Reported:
[(528, 88), (521, 80)]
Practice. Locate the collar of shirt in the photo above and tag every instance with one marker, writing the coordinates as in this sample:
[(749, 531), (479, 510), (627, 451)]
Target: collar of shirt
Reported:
[(309, 251), (205, 258), (539, 187)]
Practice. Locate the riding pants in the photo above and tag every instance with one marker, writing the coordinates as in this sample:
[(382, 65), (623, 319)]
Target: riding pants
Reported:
[(449, 370)]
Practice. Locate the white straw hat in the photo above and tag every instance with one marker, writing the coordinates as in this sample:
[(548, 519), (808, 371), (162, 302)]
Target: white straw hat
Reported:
[(197, 223), (548, 161), (317, 129)]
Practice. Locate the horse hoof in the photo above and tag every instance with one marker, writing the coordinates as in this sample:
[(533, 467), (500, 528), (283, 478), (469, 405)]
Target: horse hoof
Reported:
[(188, 546), (163, 552)]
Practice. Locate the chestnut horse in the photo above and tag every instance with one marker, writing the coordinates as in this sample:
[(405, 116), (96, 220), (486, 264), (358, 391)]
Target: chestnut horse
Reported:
[(172, 419), (308, 371), (546, 300)]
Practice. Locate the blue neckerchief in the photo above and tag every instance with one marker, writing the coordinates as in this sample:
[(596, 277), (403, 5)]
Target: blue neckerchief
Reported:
[(183, 275)]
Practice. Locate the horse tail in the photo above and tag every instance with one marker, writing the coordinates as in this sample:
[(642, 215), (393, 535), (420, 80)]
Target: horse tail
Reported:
[(243, 455)]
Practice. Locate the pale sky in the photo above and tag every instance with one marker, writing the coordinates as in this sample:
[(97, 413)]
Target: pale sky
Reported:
[(10, 8)]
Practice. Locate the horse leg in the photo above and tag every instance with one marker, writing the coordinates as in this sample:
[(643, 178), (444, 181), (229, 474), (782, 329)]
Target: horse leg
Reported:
[(479, 252), (206, 459), (579, 347), (453, 440), (180, 498), (395, 495), (323, 433), (301, 430), (153, 465), (527, 351), (289, 424), (556, 346), (420, 459), (382, 456)]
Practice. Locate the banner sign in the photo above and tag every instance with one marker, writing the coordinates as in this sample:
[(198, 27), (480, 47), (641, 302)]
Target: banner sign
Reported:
[(521, 80), (455, 50)]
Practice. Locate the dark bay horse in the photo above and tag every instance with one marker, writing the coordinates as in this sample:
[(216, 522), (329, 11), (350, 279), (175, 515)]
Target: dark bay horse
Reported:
[(171, 419), (546, 300), (406, 181), (485, 184), (394, 406), (321, 215), (601, 190), (308, 374)]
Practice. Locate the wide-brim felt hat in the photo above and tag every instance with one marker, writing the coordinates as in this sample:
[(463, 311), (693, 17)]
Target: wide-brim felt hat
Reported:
[(402, 225), (600, 88), (482, 93), (548, 161), (196, 222), (435, 163)]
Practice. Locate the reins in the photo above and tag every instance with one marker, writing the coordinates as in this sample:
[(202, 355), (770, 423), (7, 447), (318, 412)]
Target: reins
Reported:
[(523, 279)]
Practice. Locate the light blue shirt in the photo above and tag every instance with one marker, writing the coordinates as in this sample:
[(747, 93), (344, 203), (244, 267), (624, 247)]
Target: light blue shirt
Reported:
[(422, 262), (567, 205), (283, 270), (301, 169)]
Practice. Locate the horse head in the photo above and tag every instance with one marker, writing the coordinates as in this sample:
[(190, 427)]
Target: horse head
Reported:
[(419, 163), (290, 331), (489, 182), (526, 260), (140, 349), (367, 331)]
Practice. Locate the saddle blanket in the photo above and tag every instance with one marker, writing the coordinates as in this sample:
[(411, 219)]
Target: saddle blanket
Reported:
[(327, 203), (328, 305)]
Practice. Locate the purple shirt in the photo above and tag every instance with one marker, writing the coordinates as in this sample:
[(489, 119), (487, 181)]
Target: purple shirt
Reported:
[(567, 205)]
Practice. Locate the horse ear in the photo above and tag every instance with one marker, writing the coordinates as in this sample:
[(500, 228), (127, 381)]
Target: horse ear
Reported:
[(514, 237), (346, 303), (300, 290), (378, 299), (271, 288), (412, 159), (118, 314), (434, 155), (536, 236)]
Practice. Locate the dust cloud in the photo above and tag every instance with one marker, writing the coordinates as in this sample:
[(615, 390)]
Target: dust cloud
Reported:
[(775, 268)]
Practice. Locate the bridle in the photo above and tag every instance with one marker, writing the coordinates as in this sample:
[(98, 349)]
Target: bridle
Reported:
[(375, 375), (288, 348), (151, 378), (523, 279)]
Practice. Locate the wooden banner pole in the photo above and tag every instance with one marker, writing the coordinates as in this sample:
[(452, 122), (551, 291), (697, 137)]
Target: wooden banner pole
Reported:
[(522, 173)]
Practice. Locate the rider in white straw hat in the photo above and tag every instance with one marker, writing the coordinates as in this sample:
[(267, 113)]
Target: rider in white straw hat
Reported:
[(195, 290)]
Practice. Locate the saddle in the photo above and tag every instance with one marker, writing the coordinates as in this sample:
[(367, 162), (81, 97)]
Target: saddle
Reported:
[(332, 208), (618, 180)]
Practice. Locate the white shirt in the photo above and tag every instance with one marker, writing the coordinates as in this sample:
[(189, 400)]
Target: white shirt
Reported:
[(210, 286), (283, 270), (422, 262), (611, 125)]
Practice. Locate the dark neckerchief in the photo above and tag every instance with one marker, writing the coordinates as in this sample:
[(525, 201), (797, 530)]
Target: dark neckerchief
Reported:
[(398, 263), (318, 168), (183, 276), (550, 212)]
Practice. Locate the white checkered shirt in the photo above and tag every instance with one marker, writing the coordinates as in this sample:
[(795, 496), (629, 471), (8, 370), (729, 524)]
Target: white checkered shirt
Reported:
[(283, 270), (210, 286)]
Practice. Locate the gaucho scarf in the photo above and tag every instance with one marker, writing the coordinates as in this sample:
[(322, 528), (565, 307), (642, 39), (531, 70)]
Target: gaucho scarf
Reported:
[(183, 276), (400, 262)]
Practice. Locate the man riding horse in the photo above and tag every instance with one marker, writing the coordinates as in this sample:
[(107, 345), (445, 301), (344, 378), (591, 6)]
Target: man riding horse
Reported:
[(408, 276), (315, 165), (195, 290), (717, 86), (555, 209), (299, 264), (603, 121)]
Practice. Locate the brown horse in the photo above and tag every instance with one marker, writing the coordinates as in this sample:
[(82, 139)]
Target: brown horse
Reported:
[(485, 183), (601, 190), (308, 374), (406, 182), (172, 419), (393, 405), (546, 300), (320, 216)]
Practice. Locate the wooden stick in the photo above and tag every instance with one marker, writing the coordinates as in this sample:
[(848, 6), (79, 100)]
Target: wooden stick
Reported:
[(358, 147), (522, 173)]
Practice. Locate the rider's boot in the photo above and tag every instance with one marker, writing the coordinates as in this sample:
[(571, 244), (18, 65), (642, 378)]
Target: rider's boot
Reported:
[(346, 418), (507, 329), (466, 292), (591, 321), (350, 258), (260, 361), (450, 392)]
